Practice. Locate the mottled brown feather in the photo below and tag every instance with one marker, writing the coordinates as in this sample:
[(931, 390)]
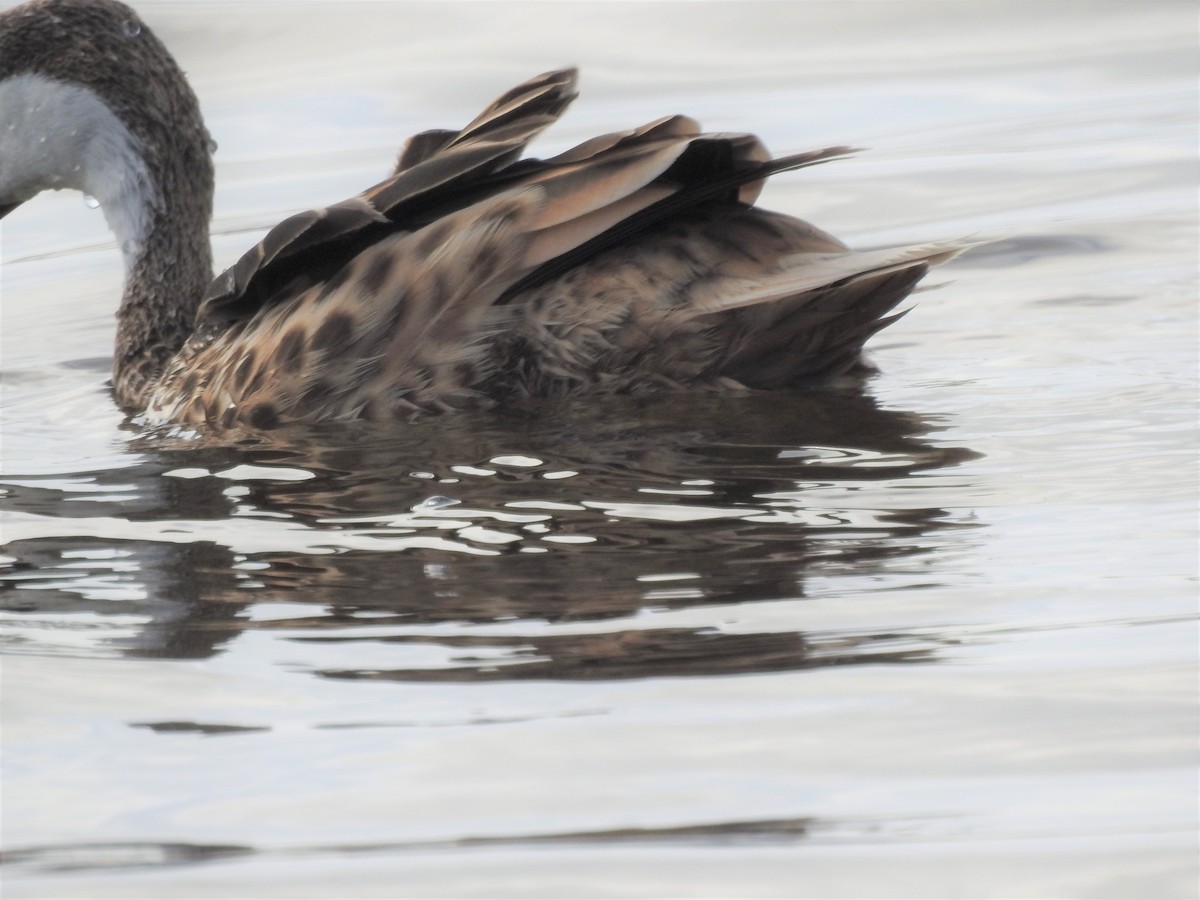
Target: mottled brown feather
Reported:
[(634, 261)]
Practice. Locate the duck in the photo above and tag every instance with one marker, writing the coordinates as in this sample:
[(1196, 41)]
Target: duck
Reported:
[(472, 275)]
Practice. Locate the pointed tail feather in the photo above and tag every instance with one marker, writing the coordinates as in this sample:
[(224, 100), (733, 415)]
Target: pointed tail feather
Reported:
[(809, 322), (805, 272)]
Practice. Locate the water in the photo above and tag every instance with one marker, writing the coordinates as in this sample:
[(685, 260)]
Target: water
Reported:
[(935, 637)]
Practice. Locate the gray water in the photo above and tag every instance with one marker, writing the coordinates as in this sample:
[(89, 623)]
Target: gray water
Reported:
[(935, 637)]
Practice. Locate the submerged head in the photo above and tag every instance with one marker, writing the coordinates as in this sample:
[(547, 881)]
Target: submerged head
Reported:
[(91, 100)]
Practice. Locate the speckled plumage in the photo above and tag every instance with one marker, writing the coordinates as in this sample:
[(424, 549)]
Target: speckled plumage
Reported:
[(635, 261)]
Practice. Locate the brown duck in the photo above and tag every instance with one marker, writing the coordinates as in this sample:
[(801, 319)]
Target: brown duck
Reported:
[(470, 276)]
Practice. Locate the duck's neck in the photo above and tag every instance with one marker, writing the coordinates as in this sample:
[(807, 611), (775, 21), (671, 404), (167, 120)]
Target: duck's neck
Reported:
[(159, 209), (167, 270), (93, 101)]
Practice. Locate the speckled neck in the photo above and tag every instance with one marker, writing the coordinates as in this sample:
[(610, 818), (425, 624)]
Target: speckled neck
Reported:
[(156, 191)]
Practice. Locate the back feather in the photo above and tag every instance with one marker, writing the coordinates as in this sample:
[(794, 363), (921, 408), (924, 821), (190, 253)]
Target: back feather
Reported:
[(635, 260)]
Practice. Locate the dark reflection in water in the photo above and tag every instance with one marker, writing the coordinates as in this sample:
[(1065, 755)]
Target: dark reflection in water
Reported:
[(100, 856), (637, 654), (582, 513)]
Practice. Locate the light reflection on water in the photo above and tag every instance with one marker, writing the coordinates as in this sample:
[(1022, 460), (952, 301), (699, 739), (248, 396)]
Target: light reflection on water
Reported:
[(610, 509), (934, 636)]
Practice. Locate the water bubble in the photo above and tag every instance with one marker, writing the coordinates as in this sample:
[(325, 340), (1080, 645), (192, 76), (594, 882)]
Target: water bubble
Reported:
[(91, 202), (131, 28)]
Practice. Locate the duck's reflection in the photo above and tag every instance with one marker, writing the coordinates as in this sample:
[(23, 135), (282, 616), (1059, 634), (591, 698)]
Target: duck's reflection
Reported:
[(634, 653), (537, 518)]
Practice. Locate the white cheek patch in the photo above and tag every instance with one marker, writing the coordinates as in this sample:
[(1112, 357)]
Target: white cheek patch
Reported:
[(55, 135)]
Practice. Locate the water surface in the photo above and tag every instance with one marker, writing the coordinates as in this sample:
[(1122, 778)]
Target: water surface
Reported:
[(934, 636)]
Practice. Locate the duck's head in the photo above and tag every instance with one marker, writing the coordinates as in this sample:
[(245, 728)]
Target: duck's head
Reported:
[(91, 100)]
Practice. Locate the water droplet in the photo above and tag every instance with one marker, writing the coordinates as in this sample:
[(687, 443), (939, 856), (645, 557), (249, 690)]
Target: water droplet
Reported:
[(91, 202), (212, 145), (131, 28), (435, 502)]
